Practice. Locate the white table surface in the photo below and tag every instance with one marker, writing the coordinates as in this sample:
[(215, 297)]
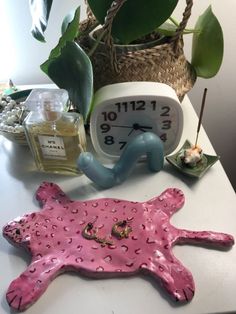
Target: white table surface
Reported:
[(210, 205)]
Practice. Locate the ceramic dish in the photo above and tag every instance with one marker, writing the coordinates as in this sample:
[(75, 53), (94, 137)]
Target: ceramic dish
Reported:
[(199, 170)]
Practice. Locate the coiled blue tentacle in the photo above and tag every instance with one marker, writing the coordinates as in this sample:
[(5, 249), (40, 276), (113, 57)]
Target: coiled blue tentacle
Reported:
[(146, 143)]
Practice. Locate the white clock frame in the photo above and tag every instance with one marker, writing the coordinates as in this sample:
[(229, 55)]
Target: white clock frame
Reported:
[(131, 91)]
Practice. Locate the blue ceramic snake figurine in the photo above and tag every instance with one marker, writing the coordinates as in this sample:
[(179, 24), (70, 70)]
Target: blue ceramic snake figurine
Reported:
[(147, 143)]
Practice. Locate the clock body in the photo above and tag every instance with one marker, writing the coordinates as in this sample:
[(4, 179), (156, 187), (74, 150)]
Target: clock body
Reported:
[(122, 111)]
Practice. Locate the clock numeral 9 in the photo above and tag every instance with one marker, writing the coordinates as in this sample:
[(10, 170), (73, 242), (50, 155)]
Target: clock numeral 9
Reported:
[(109, 140), (166, 124), (105, 127), (111, 116)]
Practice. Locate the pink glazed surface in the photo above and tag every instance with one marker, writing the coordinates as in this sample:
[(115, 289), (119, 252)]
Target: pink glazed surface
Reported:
[(54, 237)]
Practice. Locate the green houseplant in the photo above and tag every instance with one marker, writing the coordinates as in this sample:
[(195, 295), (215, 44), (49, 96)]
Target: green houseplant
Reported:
[(76, 63)]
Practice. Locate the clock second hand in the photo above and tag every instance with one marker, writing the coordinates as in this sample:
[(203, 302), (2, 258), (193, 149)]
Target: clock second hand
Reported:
[(122, 126), (135, 126)]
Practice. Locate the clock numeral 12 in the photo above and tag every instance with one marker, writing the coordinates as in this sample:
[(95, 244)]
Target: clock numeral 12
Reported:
[(138, 105)]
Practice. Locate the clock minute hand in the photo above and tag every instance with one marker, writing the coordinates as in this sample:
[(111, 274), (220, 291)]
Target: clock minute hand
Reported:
[(145, 127)]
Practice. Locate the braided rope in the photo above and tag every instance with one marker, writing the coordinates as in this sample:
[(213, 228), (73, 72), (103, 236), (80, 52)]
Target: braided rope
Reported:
[(111, 13), (183, 24), (89, 13)]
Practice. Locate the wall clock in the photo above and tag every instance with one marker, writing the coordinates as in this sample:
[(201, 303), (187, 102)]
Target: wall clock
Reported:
[(122, 111)]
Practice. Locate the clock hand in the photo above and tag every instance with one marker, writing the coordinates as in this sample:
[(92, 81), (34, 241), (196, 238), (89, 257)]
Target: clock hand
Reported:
[(135, 126), (131, 131), (122, 126), (145, 127), (142, 128)]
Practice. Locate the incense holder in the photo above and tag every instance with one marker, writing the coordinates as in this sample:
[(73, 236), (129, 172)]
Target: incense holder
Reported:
[(206, 162)]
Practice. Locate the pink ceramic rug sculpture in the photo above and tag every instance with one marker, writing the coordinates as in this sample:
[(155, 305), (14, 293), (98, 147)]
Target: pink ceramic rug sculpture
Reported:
[(102, 238)]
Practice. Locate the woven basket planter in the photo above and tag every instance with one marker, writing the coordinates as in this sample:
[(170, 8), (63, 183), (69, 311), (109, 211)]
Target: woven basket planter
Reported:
[(164, 63)]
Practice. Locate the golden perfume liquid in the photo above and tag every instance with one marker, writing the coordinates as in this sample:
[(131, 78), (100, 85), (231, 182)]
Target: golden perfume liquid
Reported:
[(56, 140)]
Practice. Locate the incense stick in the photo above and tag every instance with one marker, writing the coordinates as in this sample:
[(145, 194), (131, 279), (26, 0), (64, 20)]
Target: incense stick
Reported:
[(201, 114)]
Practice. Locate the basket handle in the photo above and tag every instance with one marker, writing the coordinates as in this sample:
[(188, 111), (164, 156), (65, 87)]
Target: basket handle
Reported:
[(111, 13), (183, 23)]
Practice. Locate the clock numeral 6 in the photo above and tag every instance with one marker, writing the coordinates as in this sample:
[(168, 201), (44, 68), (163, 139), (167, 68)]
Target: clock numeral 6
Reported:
[(166, 124), (109, 140)]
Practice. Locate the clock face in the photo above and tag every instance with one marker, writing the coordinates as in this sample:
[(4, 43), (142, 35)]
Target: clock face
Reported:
[(115, 123)]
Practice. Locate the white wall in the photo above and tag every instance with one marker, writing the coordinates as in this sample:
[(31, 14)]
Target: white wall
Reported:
[(220, 112), (19, 50), (21, 56)]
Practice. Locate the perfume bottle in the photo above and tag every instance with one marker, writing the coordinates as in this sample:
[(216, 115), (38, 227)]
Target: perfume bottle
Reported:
[(56, 138)]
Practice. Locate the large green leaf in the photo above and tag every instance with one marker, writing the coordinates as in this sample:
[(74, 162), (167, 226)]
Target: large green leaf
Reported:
[(72, 70), (67, 20), (136, 18), (70, 31), (40, 10), (207, 45)]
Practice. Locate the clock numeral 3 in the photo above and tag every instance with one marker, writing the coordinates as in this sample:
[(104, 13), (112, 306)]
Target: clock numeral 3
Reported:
[(109, 140), (166, 124)]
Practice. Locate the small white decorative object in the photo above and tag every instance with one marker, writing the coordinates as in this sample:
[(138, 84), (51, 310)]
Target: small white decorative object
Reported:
[(122, 111)]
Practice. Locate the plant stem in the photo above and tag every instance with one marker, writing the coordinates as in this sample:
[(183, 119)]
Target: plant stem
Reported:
[(96, 43), (84, 34), (186, 30), (174, 21)]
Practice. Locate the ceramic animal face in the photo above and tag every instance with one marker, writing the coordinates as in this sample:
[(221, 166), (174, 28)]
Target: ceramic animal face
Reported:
[(103, 237), (17, 231)]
